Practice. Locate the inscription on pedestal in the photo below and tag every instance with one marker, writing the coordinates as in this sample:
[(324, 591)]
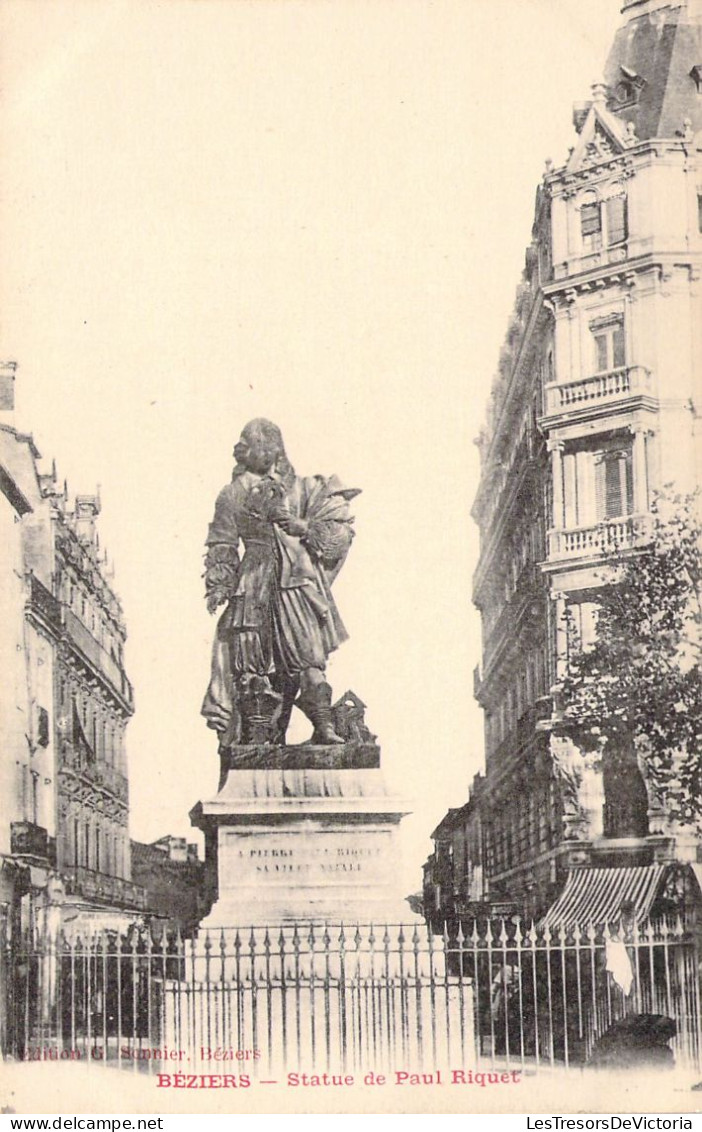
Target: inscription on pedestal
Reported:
[(321, 859)]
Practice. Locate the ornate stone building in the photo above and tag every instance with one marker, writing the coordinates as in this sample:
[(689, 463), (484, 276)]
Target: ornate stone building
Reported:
[(66, 707), (595, 406), (93, 702)]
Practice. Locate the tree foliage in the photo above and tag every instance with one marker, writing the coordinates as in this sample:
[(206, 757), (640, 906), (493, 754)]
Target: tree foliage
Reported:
[(639, 683)]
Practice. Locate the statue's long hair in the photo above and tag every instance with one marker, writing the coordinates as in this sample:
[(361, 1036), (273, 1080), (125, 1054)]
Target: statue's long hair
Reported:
[(269, 436)]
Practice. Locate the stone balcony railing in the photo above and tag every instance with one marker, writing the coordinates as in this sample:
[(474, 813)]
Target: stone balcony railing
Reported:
[(63, 620), (606, 537), (83, 639), (43, 602), (599, 390), (103, 887), (98, 771)]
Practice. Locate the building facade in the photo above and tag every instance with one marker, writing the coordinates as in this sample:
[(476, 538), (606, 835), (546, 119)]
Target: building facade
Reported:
[(173, 878), (64, 837), (596, 406)]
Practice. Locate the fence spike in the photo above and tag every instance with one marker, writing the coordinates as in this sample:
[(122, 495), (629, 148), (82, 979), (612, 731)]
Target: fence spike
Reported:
[(415, 940)]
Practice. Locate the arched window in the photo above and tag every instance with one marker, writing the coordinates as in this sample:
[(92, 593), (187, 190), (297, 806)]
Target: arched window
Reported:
[(603, 219)]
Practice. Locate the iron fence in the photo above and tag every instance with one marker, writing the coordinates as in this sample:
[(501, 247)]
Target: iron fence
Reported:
[(353, 998)]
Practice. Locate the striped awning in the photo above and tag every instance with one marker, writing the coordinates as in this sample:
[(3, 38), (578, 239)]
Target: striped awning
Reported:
[(596, 896)]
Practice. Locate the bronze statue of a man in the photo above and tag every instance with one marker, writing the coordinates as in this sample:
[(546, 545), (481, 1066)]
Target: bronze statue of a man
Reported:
[(280, 621)]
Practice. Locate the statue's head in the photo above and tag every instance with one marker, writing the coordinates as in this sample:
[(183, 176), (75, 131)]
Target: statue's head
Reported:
[(260, 447)]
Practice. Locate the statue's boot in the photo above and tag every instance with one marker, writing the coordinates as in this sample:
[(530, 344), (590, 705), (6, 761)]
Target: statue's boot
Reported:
[(316, 704)]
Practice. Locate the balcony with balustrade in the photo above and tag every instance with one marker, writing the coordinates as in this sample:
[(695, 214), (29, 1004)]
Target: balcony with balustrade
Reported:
[(610, 536), (103, 887), (599, 394), (102, 662)]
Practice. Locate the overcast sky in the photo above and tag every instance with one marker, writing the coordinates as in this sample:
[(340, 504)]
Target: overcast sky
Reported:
[(311, 210)]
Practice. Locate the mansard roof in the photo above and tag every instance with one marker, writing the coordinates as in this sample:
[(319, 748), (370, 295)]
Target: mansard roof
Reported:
[(654, 70)]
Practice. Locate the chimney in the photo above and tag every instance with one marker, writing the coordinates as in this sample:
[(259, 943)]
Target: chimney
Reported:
[(86, 512)]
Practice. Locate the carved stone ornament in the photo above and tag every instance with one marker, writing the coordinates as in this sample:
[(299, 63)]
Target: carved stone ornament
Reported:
[(568, 771)]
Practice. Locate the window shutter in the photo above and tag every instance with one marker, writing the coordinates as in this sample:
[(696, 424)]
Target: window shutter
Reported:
[(600, 488), (628, 484), (618, 348), (613, 486), (602, 360), (590, 219), (616, 220), (42, 727)]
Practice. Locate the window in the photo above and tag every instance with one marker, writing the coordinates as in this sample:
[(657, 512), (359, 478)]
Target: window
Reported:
[(591, 225), (582, 625), (603, 223), (625, 797), (610, 348), (614, 488)]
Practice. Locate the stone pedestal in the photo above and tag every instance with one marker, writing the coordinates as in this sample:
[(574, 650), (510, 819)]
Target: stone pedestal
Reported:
[(302, 834)]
